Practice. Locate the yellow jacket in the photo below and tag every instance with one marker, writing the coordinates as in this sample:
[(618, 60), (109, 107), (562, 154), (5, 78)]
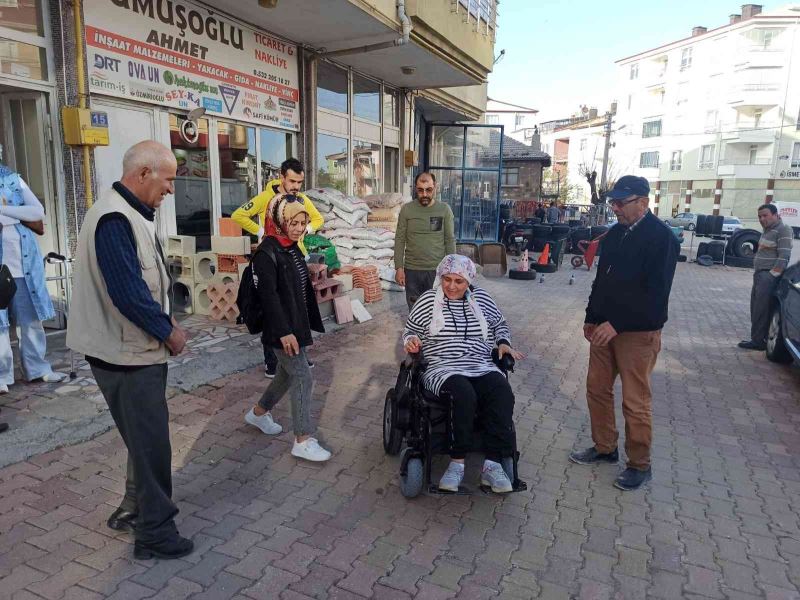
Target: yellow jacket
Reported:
[(258, 206)]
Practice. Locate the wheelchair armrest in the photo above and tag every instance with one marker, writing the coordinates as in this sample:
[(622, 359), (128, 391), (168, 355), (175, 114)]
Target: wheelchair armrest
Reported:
[(505, 364), (416, 362)]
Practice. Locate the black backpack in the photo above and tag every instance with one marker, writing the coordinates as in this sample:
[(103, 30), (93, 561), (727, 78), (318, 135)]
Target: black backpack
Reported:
[(251, 313)]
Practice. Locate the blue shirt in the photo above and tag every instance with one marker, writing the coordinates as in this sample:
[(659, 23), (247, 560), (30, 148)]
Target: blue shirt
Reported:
[(118, 261)]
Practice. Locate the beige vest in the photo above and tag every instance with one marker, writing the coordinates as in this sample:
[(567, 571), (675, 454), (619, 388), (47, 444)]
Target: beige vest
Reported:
[(96, 328)]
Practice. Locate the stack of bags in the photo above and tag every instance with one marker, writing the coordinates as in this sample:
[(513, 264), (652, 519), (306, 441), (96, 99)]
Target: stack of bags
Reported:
[(385, 209), (346, 227)]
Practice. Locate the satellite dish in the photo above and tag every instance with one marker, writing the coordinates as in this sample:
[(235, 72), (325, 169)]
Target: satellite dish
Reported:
[(196, 113)]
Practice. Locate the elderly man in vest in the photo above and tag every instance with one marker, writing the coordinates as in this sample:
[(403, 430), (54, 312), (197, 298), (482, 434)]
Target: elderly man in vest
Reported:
[(120, 321)]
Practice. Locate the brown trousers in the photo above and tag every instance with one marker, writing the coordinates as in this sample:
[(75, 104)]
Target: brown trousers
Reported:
[(632, 356)]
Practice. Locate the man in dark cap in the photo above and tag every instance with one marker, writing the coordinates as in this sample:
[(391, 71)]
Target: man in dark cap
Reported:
[(627, 309)]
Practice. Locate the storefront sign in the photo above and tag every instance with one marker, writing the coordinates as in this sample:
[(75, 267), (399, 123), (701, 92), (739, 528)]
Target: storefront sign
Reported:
[(175, 53)]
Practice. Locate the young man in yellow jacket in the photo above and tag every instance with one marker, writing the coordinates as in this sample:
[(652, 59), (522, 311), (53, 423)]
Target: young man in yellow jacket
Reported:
[(290, 182)]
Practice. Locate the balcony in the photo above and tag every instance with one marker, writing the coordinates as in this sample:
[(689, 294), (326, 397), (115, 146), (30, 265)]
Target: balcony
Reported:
[(764, 133), (755, 94), (760, 168), (759, 57)]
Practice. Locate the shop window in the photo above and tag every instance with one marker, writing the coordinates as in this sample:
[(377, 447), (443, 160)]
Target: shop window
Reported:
[(332, 162), (391, 159), (332, 87), (22, 60), (276, 147), (238, 174), (193, 182), (391, 108), (22, 15), (366, 168), (796, 155), (366, 98)]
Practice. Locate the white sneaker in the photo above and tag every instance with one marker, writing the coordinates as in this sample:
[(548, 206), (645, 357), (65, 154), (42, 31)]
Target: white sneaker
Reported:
[(54, 377), (263, 422), (310, 450), (452, 477), (495, 477), (3, 388)]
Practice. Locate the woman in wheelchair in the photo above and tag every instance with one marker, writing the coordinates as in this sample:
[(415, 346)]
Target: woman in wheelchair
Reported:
[(457, 325)]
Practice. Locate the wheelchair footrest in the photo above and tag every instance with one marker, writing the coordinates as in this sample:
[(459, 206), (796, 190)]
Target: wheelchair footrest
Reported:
[(433, 488), (517, 486)]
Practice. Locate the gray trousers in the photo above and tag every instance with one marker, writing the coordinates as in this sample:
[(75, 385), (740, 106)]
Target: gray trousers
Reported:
[(764, 286), (137, 402), (292, 375), (418, 282)]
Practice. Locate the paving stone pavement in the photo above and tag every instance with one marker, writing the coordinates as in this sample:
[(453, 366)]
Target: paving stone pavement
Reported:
[(721, 518)]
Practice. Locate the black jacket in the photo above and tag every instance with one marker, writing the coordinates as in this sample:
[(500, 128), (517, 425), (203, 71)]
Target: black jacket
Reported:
[(634, 276), (278, 284)]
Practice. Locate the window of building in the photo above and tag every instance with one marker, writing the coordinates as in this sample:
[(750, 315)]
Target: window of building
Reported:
[(332, 87), (23, 60), (630, 102), (798, 121), (635, 71), (686, 58), (648, 160), (24, 16), (366, 168), (752, 157), (762, 38), (519, 120), (391, 107), (366, 98), (651, 128), (711, 120), (510, 176), (391, 162), (583, 144), (492, 119), (757, 114), (796, 155), (706, 157), (676, 162), (332, 162)]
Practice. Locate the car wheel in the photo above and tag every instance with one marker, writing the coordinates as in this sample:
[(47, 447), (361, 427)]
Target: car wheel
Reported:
[(776, 348), (690, 226)]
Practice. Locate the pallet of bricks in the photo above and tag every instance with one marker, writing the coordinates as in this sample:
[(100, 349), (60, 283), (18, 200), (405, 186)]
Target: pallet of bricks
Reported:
[(207, 283)]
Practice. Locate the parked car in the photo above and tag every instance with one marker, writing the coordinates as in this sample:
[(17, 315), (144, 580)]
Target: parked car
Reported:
[(685, 220), (783, 339), (730, 225)]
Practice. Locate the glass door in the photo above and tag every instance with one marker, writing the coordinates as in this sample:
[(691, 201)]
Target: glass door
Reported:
[(467, 163), (193, 207)]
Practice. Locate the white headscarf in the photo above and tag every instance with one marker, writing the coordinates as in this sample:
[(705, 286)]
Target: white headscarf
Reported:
[(455, 264)]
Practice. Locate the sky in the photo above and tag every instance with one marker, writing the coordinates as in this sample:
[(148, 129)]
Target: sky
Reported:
[(560, 55)]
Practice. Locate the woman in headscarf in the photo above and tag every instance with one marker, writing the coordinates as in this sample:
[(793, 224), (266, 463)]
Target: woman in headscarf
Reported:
[(458, 325), (290, 313), (31, 303)]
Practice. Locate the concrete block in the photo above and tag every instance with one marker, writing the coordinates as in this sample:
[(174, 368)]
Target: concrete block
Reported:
[(202, 303), (317, 272), (326, 309), (182, 296), (343, 309), (222, 297), (326, 290), (346, 279), (360, 313), (229, 263), (239, 245), (224, 277), (357, 294), (180, 245), (205, 265), (229, 228)]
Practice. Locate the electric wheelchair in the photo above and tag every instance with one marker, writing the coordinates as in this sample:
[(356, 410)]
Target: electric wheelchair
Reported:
[(413, 415)]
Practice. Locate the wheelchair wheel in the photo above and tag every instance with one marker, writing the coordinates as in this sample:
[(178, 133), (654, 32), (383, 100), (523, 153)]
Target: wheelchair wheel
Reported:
[(576, 261), (411, 483), (392, 436)]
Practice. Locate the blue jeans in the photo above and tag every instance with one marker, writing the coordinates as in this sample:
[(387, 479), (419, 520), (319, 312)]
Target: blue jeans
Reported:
[(31, 336)]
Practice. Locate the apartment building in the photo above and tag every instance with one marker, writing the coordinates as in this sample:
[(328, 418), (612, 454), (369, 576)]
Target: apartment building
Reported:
[(713, 120), (351, 87)]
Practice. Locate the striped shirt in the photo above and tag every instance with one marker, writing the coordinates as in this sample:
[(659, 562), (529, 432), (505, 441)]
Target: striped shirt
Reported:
[(774, 248), (459, 348), (300, 265)]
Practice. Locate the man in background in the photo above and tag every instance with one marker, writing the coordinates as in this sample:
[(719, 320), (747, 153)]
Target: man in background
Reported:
[(423, 238)]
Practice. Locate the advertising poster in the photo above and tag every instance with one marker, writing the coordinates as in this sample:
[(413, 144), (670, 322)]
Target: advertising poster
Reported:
[(176, 53)]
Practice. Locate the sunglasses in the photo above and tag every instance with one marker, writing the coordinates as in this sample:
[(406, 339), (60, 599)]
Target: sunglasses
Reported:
[(624, 202)]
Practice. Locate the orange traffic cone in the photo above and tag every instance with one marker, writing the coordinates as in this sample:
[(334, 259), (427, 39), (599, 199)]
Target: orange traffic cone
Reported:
[(544, 257)]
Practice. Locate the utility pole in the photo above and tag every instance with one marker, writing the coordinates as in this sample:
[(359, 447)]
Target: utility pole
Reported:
[(607, 135)]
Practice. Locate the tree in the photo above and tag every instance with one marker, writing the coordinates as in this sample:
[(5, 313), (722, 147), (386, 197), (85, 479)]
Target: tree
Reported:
[(555, 187)]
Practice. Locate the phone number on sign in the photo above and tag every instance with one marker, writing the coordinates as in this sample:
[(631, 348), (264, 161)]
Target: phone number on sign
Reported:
[(271, 78)]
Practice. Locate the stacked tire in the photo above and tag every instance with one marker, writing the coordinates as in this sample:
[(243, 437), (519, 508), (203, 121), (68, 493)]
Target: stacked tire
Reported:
[(742, 248)]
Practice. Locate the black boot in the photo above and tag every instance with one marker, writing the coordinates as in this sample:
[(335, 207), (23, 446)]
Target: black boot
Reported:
[(173, 547), (122, 520)]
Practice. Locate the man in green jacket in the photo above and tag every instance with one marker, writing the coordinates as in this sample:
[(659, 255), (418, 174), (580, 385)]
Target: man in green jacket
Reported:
[(423, 238)]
